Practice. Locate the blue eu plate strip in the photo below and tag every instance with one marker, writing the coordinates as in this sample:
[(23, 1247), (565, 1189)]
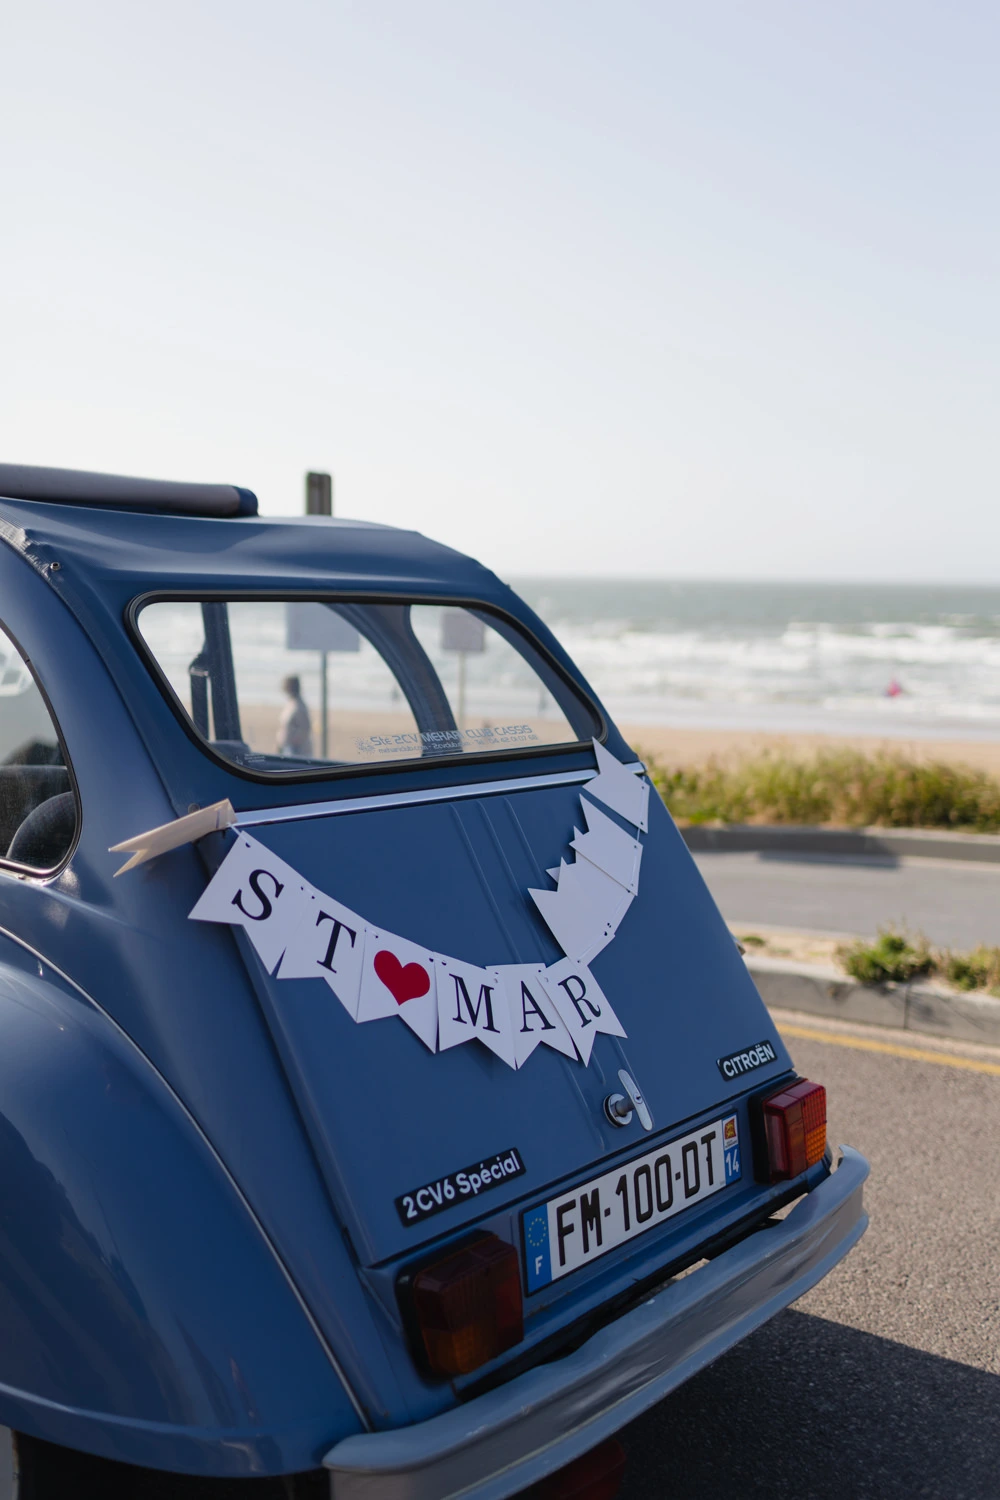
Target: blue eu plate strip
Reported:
[(536, 1248)]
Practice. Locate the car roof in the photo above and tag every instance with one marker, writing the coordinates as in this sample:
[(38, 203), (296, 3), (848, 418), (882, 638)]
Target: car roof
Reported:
[(119, 554), (98, 560)]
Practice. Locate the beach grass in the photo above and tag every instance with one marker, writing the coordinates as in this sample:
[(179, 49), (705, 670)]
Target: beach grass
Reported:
[(838, 787), (899, 956), (893, 956)]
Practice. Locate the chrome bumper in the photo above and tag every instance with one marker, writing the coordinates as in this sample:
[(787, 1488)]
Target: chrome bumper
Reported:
[(497, 1444)]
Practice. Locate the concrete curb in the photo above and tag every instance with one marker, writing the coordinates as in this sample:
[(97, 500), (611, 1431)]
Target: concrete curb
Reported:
[(918, 1007), (869, 843)]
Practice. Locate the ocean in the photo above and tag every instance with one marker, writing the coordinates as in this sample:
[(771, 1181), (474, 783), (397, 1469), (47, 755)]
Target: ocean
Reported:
[(818, 658), (895, 660)]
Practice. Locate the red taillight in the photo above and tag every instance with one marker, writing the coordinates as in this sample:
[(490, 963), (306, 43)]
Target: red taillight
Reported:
[(468, 1306), (795, 1128), (596, 1475)]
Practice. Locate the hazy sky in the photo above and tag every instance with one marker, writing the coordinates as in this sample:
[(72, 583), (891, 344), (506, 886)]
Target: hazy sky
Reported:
[(680, 289)]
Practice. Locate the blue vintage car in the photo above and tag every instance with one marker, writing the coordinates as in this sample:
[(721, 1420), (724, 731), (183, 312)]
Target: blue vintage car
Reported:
[(358, 1129)]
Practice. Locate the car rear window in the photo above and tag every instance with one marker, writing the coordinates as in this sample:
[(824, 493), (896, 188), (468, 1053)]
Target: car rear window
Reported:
[(285, 686)]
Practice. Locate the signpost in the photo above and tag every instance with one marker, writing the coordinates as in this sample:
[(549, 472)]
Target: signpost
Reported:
[(319, 494), (464, 633), (314, 627), (311, 627)]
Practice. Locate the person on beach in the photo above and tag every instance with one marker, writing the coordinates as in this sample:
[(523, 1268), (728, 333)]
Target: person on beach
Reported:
[(294, 726)]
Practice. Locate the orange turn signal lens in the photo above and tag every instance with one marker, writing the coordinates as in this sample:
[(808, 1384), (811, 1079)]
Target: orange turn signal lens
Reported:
[(468, 1306), (795, 1128)]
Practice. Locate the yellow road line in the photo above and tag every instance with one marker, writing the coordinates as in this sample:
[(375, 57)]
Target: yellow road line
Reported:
[(866, 1044)]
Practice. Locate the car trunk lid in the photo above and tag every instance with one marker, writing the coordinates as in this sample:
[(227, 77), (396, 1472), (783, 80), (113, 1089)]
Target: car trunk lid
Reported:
[(388, 1117)]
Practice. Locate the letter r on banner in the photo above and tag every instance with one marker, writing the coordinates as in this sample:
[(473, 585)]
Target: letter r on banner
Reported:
[(582, 1005)]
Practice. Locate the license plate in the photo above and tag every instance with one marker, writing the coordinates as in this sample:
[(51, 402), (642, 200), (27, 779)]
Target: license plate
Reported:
[(582, 1225)]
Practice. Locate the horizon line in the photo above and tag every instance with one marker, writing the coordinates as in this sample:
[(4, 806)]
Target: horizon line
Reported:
[(761, 579)]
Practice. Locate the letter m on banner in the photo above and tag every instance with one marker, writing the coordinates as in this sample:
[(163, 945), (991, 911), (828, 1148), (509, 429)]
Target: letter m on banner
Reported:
[(472, 1006)]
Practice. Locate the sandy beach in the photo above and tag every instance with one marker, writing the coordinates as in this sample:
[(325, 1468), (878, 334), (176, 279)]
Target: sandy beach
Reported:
[(681, 747), (349, 730)]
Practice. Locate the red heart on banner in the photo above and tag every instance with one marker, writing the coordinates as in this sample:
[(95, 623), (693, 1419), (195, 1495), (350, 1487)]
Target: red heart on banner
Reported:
[(403, 981)]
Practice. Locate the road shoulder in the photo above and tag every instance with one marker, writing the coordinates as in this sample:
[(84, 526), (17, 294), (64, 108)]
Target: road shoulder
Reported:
[(919, 1007)]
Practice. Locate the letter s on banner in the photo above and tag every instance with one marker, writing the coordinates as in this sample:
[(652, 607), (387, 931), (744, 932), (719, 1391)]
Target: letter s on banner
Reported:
[(257, 891)]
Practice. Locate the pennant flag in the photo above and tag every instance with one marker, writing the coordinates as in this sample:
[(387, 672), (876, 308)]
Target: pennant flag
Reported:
[(584, 912), (329, 943), (609, 847), (257, 891), (572, 924), (582, 1004), (472, 1005), (399, 978), (533, 1017), (625, 792), (599, 893)]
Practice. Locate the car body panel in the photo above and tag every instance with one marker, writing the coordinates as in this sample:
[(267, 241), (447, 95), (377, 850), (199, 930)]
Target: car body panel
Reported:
[(129, 946), (106, 1182)]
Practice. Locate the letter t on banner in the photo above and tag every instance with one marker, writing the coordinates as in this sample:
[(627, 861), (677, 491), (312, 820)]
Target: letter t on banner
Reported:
[(329, 944), (257, 891)]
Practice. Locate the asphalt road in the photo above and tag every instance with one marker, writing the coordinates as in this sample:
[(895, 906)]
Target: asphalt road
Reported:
[(883, 1383), (954, 903)]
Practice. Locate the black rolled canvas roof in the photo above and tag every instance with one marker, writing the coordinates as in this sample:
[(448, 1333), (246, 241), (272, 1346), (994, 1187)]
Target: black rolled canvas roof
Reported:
[(119, 491)]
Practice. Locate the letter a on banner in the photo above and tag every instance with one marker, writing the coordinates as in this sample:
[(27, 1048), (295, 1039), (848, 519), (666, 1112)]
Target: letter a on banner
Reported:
[(581, 1003), (533, 1017), (257, 891), (472, 1005)]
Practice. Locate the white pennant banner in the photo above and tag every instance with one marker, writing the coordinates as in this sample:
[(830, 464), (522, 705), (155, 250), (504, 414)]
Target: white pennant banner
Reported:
[(511, 1009), (533, 1017), (472, 1005), (399, 979), (257, 891), (329, 944), (582, 1004)]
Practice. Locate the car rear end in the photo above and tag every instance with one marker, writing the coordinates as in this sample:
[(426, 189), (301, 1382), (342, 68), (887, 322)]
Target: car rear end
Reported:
[(564, 1209)]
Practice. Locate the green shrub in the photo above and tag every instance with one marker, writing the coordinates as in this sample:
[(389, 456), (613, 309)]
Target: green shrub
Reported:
[(845, 788), (978, 970), (892, 956)]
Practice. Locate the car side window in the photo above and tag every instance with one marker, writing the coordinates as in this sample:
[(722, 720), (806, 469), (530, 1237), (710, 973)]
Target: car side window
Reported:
[(38, 804)]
